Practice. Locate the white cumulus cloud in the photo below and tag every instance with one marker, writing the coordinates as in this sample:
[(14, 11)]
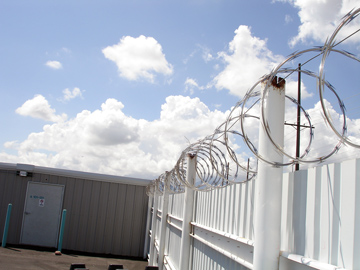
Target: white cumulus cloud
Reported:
[(191, 85), (108, 141), (54, 64), (319, 18), (247, 59), (39, 107), (68, 94), (140, 57)]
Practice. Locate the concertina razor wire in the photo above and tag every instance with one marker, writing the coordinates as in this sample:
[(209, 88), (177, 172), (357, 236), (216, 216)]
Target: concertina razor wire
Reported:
[(217, 163)]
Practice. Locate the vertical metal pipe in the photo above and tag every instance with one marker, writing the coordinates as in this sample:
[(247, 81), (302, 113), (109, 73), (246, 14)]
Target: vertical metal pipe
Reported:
[(153, 228), (297, 165), (187, 214), (164, 214), (62, 227), (268, 183), (248, 167), (146, 244), (6, 228)]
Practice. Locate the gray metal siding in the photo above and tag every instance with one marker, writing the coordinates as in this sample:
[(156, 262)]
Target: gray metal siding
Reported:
[(102, 217), (13, 190), (128, 220), (119, 219)]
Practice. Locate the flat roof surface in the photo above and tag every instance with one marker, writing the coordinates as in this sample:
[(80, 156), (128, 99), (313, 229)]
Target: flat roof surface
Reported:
[(13, 258)]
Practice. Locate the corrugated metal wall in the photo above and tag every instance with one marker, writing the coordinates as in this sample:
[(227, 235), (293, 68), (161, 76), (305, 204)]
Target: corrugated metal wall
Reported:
[(102, 217), (174, 228), (321, 214), (207, 258), (12, 190), (228, 209), (320, 222)]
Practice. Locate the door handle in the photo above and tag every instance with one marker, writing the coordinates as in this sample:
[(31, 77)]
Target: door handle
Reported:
[(27, 213)]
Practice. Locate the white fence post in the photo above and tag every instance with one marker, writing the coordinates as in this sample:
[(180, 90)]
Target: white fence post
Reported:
[(164, 214), (153, 256), (187, 214), (268, 183), (147, 231)]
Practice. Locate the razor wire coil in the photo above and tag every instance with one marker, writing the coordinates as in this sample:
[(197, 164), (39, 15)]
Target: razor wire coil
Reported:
[(217, 163)]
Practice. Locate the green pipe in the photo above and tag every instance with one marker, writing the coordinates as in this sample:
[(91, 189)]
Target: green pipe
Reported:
[(6, 228), (62, 226)]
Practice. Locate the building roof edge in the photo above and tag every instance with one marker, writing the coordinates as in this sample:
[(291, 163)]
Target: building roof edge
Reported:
[(75, 174)]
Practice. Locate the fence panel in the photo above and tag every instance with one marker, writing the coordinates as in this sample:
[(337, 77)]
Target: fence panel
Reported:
[(320, 222)]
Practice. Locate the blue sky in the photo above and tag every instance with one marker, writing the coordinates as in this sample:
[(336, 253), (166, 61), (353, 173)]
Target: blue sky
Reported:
[(120, 87)]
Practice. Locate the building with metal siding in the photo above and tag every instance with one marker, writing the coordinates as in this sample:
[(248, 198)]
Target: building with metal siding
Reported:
[(105, 214)]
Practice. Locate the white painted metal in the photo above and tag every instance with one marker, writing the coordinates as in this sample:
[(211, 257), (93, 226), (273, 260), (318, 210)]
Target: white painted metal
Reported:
[(320, 222), (224, 252), (268, 183), (334, 189), (173, 244), (293, 212), (175, 222), (298, 262), (188, 214), (153, 229), (148, 219), (42, 211), (156, 251), (311, 214), (178, 200), (237, 199), (168, 264), (232, 246), (226, 235), (165, 207), (208, 256), (349, 248), (176, 207)]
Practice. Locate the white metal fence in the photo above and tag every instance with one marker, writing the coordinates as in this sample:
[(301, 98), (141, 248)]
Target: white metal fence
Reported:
[(320, 223), (303, 220)]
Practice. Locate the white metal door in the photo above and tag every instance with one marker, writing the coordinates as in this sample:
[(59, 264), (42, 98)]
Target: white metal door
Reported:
[(42, 213)]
